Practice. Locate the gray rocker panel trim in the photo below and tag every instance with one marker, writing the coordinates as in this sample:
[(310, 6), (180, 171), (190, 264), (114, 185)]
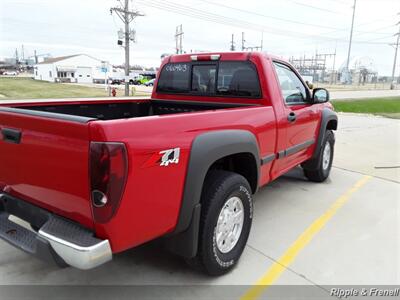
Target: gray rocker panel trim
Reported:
[(267, 159), (206, 149), (299, 147), (295, 148)]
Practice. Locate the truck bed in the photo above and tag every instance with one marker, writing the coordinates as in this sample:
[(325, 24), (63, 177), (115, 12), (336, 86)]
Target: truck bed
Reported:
[(112, 110), (44, 147)]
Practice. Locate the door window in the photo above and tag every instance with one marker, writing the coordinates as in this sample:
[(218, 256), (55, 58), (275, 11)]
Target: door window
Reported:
[(293, 90)]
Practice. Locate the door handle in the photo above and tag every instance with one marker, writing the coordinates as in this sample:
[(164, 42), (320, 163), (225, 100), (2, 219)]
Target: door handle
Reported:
[(291, 117), (11, 135)]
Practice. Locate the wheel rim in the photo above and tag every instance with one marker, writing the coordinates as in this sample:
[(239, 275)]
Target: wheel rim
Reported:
[(229, 224), (326, 157)]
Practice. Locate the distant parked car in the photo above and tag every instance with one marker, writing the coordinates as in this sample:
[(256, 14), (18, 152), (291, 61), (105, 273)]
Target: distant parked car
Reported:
[(116, 81), (10, 73), (150, 82), (135, 82)]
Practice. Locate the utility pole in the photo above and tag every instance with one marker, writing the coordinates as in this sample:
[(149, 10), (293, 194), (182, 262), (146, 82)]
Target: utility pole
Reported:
[(333, 67), (232, 43), (351, 38), (179, 39), (395, 57), (126, 17), (252, 48), (262, 40), (16, 57)]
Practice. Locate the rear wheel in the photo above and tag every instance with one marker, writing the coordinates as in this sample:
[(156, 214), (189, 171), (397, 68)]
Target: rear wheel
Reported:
[(324, 160), (225, 222)]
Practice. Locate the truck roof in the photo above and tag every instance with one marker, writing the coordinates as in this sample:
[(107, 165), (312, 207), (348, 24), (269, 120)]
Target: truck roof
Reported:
[(240, 55)]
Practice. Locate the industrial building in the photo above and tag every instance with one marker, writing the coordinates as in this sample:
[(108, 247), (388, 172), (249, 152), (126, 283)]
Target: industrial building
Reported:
[(79, 68)]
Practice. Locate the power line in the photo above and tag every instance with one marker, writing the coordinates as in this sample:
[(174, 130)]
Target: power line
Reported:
[(292, 21), (267, 16), (216, 18), (380, 38), (375, 31), (363, 24), (315, 7), (339, 1), (374, 21), (204, 15)]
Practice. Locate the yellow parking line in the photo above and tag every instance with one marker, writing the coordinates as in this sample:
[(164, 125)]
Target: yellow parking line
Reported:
[(274, 272)]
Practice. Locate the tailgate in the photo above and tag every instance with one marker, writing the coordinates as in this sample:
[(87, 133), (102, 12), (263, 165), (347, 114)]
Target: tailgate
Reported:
[(44, 160)]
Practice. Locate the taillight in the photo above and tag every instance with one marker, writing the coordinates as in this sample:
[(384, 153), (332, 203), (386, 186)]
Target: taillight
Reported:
[(108, 172)]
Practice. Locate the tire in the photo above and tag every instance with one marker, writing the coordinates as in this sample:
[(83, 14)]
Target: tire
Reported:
[(324, 160), (223, 193)]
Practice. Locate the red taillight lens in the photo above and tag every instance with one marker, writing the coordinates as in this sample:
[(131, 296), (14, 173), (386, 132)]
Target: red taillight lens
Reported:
[(108, 172)]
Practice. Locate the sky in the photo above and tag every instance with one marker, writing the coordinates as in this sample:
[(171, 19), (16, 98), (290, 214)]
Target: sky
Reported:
[(288, 27)]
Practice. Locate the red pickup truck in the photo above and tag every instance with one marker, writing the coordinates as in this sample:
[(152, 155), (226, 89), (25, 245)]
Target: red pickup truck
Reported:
[(94, 178)]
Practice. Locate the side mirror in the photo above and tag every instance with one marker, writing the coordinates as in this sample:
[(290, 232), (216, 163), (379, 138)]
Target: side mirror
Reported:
[(320, 95)]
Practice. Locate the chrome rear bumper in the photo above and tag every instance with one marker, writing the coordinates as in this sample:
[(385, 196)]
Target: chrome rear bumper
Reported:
[(65, 242)]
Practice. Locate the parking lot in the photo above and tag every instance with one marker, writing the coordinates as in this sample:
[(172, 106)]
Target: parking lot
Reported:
[(341, 232)]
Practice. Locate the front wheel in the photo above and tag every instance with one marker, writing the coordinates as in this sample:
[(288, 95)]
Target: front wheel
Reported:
[(225, 222), (324, 160)]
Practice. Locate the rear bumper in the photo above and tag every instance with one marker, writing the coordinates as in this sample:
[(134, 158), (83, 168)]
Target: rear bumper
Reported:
[(55, 238)]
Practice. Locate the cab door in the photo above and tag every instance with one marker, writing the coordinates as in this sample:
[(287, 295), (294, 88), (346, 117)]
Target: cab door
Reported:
[(300, 119)]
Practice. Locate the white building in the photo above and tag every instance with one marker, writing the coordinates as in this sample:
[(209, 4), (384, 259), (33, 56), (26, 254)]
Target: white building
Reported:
[(79, 68)]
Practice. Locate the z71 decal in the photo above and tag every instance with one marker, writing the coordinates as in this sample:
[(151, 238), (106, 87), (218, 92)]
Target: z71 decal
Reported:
[(164, 158), (170, 156)]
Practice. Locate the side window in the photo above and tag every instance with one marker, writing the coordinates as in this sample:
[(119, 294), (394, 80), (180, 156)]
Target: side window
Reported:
[(293, 90), (203, 78), (238, 79)]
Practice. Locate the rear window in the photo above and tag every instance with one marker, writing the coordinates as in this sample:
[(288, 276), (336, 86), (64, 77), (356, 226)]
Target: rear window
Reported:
[(174, 78), (203, 79), (229, 79)]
